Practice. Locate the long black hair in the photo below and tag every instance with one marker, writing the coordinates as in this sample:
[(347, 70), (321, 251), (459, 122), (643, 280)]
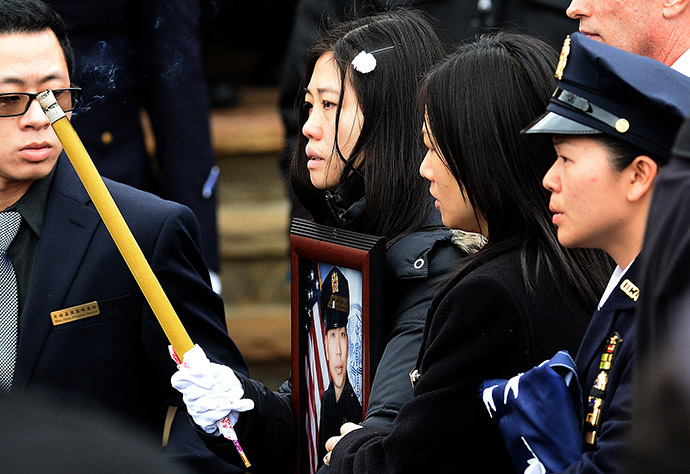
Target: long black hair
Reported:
[(389, 151), (476, 102)]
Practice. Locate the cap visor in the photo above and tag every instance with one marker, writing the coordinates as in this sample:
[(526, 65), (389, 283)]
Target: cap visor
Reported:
[(550, 122)]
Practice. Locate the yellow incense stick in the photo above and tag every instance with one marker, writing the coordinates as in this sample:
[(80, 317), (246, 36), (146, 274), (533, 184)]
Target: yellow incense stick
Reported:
[(116, 225)]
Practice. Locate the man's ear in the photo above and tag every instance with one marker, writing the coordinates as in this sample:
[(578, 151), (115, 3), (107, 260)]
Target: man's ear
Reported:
[(641, 172), (673, 8)]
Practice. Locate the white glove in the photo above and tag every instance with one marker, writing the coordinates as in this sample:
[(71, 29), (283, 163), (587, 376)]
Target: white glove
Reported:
[(210, 391)]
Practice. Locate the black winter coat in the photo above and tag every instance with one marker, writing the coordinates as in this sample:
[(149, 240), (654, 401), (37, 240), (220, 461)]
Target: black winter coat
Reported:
[(484, 324)]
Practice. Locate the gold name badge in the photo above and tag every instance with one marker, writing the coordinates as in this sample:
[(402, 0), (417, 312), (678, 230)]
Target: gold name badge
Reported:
[(75, 313), (630, 289)]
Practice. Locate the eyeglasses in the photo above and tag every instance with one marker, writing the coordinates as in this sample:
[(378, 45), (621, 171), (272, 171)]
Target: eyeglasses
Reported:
[(15, 104)]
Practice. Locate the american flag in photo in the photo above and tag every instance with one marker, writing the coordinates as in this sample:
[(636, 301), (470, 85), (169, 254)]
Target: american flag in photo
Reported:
[(316, 369)]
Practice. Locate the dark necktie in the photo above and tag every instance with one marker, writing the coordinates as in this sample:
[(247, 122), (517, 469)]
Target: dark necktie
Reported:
[(9, 303)]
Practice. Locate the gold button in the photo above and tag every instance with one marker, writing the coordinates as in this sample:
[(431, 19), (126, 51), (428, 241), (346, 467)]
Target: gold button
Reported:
[(107, 138), (622, 125)]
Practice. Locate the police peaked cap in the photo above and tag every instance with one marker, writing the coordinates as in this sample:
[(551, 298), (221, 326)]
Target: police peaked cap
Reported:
[(335, 299), (603, 89)]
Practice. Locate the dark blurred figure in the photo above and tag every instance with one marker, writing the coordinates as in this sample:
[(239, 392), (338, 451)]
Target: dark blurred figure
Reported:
[(39, 434), (133, 56), (234, 53), (661, 408), (456, 20), (661, 432), (666, 254)]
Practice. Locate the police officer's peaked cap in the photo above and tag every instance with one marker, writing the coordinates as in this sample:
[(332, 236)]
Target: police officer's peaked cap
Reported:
[(335, 299), (603, 89)]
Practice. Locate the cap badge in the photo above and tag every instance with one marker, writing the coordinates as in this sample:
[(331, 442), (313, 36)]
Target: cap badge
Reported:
[(334, 282), (622, 125), (565, 51)]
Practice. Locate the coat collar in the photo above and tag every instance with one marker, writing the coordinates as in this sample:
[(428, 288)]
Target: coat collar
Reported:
[(68, 226), (344, 207), (622, 299)]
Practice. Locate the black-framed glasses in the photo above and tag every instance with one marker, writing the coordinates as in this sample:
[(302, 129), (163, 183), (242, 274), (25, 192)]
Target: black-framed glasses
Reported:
[(15, 104)]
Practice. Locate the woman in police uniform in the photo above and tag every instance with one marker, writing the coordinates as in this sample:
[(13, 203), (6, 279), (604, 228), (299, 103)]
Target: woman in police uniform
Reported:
[(613, 118)]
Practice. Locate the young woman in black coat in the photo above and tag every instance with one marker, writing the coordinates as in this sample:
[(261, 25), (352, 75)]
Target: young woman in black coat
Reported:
[(355, 167), (509, 306)]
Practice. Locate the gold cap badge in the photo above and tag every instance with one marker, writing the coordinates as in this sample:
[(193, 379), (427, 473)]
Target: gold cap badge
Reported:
[(565, 51), (334, 282)]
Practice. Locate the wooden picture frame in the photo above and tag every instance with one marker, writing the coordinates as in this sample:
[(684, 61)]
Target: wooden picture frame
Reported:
[(336, 285)]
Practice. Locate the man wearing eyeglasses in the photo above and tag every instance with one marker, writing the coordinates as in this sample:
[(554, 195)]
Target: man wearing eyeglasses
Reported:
[(73, 321)]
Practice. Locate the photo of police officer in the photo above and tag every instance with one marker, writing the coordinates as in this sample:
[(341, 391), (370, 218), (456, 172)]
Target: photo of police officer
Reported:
[(339, 402)]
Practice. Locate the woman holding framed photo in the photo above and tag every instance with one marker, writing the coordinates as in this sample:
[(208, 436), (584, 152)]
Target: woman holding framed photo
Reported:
[(356, 168)]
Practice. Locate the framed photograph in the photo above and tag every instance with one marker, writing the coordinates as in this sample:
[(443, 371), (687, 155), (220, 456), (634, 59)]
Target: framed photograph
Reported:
[(337, 283)]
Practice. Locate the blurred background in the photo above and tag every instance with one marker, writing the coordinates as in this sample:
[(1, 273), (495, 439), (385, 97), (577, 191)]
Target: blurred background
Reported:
[(243, 45)]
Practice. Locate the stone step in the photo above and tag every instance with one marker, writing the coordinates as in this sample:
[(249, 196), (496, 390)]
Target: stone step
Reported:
[(253, 220), (252, 230), (261, 331), (258, 281), (252, 127)]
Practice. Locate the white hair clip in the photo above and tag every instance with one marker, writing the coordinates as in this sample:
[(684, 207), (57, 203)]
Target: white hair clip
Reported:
[(366, 62)]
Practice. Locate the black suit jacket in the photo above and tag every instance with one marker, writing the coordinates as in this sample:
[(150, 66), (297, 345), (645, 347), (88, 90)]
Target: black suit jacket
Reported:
[(483, 325), (118, 358)]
